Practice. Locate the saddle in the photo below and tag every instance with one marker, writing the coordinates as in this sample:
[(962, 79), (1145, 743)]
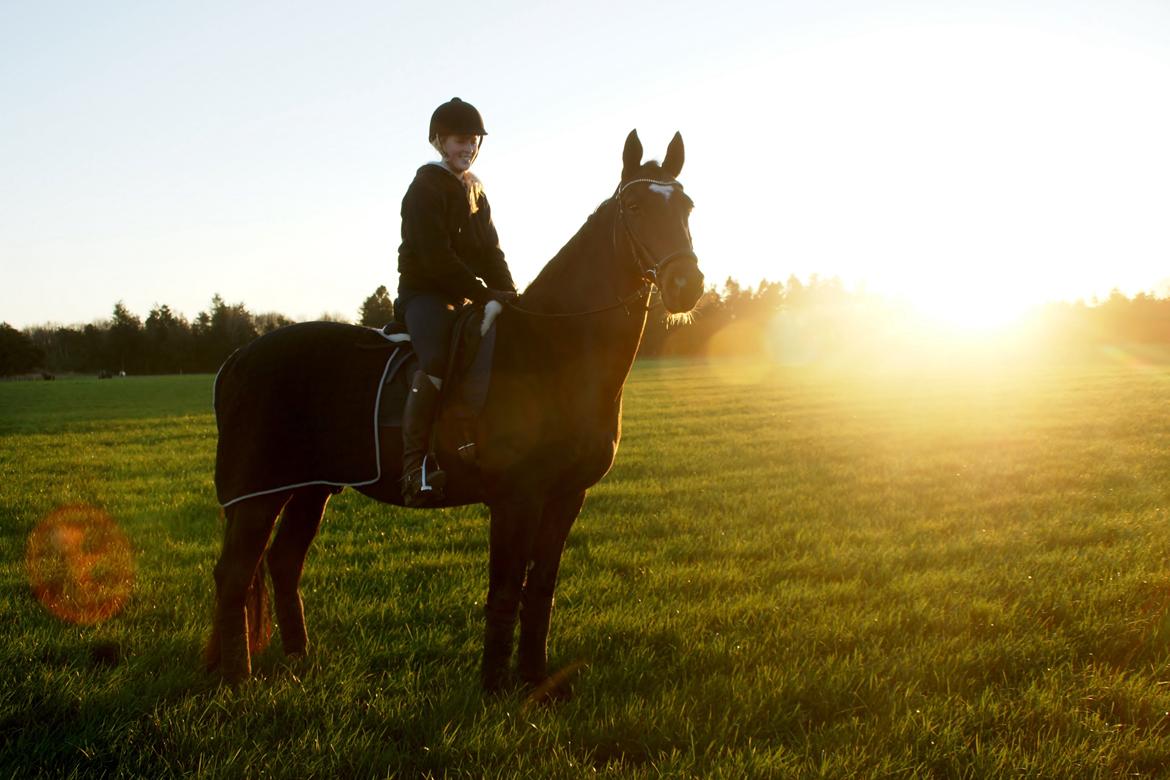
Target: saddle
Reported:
[(465, 381)]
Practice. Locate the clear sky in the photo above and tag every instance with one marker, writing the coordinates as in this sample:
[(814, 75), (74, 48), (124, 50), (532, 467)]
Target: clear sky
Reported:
[(961, 155)]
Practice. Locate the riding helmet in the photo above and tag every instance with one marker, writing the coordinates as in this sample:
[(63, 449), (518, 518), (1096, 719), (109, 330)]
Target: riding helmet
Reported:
[(455, 117)]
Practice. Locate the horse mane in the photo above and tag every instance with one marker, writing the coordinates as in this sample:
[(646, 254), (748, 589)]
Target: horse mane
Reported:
[(571, 248), (649, 169)]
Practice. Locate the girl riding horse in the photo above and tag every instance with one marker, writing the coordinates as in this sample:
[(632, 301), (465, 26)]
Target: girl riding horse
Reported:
[(449, 245), (549, 428)]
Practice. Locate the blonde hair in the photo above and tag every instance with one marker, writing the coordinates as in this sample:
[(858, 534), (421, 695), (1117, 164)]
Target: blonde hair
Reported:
[(471, 183)]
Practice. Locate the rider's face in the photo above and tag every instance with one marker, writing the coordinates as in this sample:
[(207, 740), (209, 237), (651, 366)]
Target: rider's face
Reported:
[(459, 151)]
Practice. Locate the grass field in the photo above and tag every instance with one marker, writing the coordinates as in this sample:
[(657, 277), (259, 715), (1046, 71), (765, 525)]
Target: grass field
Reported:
[(789, 572)]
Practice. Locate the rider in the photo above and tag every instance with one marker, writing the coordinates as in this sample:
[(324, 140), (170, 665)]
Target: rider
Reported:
[(450, 253)]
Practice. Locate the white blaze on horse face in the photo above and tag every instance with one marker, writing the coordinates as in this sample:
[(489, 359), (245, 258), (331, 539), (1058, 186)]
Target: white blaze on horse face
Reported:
[(664, 190)]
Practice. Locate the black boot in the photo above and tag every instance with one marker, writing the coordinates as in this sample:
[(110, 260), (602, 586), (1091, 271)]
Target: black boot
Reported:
[(422, 482)]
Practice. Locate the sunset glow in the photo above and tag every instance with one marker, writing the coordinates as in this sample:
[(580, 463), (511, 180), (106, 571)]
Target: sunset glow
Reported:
[(971, 160)]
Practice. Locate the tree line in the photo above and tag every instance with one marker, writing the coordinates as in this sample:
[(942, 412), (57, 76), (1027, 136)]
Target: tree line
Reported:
[(163, 343), (794, 321)]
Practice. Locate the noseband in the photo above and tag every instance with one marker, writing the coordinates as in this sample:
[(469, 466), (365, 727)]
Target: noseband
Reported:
[(651, 271)]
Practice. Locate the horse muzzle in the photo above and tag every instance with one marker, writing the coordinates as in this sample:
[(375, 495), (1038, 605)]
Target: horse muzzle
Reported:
[(681, 285)]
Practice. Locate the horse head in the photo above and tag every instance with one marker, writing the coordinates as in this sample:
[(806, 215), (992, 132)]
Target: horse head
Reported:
[(655, 211)]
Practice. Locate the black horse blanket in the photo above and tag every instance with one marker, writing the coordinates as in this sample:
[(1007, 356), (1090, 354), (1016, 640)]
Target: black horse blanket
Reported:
[(299, 406)]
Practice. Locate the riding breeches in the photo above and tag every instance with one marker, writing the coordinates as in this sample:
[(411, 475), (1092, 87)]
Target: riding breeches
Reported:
[(429, 319)]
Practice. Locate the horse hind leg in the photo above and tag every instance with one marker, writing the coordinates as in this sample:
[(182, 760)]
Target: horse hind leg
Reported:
[(286, 561), (240, 626)]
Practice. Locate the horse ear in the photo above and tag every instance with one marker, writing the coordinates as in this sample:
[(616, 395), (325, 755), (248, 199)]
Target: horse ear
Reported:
[(674, 156), (632, 155)]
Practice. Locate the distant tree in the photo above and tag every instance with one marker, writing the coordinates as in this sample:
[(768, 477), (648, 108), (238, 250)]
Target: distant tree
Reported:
[(17, 351), (124, 341), (166, 340), (270, 321), (220, 331), (53, 342), (93, 346), (377, 310), (234, 322)]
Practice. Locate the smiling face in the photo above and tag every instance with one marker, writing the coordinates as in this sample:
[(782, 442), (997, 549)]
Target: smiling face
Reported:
[(459, 151)]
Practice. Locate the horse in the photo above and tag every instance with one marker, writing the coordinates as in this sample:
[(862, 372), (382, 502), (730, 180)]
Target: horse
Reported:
[(549, 430)]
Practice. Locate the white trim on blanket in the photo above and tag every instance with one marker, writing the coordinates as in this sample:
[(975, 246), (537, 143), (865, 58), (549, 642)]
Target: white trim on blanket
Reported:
[(332, 483)]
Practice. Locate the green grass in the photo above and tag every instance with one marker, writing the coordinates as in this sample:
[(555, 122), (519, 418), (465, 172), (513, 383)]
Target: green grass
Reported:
[(790, 572)]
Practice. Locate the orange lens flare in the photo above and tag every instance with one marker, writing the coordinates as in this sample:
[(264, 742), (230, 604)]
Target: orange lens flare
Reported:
[(80, 565)]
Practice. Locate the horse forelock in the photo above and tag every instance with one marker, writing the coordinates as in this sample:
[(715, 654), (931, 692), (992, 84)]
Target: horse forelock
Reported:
[(648, 170)]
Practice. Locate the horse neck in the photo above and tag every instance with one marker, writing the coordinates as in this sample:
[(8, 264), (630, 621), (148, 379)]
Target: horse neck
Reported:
[(588, 274)]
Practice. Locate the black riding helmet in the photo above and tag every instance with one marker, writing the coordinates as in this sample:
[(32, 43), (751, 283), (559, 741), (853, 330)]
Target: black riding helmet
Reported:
[(455, 118)]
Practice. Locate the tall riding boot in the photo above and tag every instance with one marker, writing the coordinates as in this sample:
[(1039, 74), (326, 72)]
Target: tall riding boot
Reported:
[(422, 482)]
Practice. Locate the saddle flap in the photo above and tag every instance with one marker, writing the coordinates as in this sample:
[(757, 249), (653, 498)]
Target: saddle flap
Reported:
[(466, 383)]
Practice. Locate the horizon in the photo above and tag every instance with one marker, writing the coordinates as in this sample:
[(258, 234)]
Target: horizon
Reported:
[(162, 156), (893, 305)]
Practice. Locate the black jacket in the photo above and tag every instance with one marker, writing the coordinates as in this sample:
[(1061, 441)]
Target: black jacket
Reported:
[(444, 246)]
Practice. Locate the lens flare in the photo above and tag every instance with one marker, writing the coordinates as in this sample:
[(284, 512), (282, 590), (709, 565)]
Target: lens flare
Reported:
[(80, 565), (730, 351)]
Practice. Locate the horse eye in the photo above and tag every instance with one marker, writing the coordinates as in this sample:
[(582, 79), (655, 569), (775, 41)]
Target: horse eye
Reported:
[(634, 207)]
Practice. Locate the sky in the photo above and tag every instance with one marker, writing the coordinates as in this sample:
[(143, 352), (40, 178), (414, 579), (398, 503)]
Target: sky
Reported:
[(970, 158)]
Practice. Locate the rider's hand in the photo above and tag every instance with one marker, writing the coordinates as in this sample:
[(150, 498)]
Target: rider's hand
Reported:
[(501, 296)]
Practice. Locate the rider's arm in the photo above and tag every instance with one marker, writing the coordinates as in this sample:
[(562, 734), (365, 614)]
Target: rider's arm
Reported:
[(492, 266)]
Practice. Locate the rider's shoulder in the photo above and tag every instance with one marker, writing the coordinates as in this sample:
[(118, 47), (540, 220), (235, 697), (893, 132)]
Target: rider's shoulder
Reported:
[(435, 173), (435, 178)]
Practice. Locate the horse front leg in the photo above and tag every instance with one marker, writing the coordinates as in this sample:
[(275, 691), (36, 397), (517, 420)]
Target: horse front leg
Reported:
[(536, 602), (513, 527)]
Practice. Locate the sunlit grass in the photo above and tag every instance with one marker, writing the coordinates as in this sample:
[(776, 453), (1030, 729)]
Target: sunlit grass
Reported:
[(790, 571)]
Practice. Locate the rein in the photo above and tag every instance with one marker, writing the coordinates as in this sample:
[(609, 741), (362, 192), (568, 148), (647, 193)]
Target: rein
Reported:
[(649, 275), (637, 294)]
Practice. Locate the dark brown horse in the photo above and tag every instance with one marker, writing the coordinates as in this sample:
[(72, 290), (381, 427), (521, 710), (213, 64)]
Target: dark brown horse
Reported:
[(548, 431)]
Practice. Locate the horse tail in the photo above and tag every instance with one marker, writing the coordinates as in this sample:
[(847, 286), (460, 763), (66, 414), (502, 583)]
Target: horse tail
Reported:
[(256, 606)]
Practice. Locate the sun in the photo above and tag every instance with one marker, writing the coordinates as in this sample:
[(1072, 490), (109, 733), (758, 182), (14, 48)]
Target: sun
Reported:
[(973, 309)]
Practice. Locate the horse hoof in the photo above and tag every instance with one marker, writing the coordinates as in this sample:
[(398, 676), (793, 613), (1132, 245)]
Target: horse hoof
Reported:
[(296, 650), (234, 673), (495, 683)]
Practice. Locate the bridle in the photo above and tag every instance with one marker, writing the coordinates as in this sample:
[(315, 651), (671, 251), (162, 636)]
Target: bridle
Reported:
[(648, 272)]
